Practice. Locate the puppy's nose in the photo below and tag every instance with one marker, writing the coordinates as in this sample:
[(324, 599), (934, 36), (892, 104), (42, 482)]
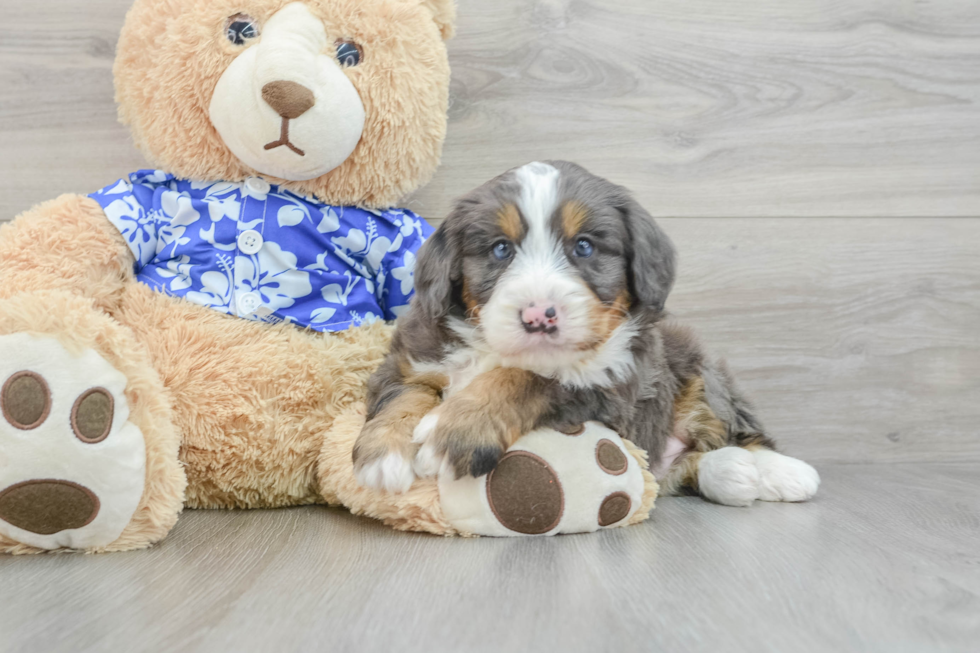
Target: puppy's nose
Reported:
[(540, 318), (289, 99)]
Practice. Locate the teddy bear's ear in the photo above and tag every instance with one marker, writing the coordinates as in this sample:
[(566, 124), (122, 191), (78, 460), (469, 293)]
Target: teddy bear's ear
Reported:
[(444, 13)]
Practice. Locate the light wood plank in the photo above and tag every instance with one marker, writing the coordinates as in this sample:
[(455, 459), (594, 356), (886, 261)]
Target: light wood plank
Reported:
[(859, 340), (884, 559), (704, 107)]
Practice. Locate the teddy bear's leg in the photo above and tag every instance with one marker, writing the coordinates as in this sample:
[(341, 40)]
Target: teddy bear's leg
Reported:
[(417, 509), (88, 452), (550, 482)]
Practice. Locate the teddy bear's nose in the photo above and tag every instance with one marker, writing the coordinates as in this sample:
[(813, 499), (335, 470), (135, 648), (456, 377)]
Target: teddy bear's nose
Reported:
[(289, 99)]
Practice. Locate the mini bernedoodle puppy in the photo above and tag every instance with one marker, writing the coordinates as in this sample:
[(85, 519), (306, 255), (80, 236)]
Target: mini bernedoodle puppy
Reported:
[(540, 303)]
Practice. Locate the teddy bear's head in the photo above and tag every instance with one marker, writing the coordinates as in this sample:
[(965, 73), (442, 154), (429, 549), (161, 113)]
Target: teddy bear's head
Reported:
[(342, 99)]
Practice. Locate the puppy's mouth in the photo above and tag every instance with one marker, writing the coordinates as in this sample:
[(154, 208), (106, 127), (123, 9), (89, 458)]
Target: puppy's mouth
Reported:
[(284, 140)]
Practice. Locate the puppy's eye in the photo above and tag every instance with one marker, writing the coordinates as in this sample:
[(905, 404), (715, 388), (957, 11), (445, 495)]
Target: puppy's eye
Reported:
[(583, 248), (241, 28), (348, 53), (502, 250)]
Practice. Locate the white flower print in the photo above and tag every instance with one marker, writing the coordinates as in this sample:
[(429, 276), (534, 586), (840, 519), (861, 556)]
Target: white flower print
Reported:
[(367, 318), (370, 246), (207, 235), (136, 226), (406, 273), (336, 294), (408, 225), (330, 222), (178, 270), (178, 212), (216, 287), (272, 273), (291, 215), (322, 315)]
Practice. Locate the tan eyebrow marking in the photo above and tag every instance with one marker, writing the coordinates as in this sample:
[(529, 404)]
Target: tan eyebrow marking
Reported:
[(573, 215), (509, 219)]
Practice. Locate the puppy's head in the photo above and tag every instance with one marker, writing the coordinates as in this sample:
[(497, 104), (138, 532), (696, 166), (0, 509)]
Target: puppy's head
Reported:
[(546, 260)]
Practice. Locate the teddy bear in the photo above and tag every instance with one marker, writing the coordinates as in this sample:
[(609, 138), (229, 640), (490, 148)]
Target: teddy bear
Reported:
[(200, 334)]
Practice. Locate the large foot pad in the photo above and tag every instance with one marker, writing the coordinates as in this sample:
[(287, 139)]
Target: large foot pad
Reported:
[(72, 465), (550, 483)]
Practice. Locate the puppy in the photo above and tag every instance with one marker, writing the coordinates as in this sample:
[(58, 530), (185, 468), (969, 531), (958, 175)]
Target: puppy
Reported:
[(540, 303)]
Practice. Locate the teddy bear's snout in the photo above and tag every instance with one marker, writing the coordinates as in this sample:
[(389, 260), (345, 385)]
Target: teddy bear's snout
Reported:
[(289, 99)]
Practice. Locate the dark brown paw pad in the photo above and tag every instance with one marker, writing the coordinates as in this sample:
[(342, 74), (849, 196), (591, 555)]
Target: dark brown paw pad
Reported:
[(525, 494), (25, 400), (610, 458), (615, 508), (46, 507), (91, 416), (73, 465)]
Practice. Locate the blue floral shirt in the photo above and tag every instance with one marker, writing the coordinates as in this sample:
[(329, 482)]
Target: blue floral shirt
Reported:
[(264, 253)]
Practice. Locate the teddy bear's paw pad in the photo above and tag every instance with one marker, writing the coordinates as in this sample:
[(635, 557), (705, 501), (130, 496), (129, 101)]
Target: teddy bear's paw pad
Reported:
[(525, 494), (782, 478), (615, 508), (72, 465), (729, 476), (550, 482)]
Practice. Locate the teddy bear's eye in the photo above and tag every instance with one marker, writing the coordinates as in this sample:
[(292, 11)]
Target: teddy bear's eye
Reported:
[(241, 28), (348, 53)]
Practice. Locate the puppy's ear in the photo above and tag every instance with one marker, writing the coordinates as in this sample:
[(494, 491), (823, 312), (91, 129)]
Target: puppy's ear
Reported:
[(653, 259), (436, 271)]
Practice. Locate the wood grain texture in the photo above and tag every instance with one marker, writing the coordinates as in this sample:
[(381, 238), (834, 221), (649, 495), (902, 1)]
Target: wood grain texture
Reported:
[(704, 107), (859, 340), (885, 559)]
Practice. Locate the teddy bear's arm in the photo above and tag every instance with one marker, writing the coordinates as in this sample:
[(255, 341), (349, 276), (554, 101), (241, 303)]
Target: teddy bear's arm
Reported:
[(65, 244)]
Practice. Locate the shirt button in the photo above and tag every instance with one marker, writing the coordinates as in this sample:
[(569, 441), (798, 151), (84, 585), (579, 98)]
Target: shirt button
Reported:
[(250, 242), (257, 185), (248, 303)]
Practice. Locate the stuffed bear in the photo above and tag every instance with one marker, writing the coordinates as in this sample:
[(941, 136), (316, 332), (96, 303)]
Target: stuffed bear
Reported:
[(200, 334)]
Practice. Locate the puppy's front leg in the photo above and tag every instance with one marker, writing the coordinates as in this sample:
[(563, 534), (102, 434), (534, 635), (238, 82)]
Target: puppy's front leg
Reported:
[(384, 451), (474, 427)]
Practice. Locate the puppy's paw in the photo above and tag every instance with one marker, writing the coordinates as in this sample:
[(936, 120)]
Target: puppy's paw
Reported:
[(383, 460), (729, 476), (783, 478), (391, 473), (426, 427), (428, 462), (470, 442)]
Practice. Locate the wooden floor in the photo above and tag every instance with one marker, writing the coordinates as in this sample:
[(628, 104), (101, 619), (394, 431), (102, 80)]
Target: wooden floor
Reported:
[(818, 166), (885, 559)]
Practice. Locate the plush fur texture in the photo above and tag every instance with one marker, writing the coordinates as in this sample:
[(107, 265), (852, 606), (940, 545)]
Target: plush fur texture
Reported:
[(234, 413), (173, 52), (78, 325)]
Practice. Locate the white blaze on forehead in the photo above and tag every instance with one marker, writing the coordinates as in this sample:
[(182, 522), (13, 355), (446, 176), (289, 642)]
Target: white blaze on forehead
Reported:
[(540, 250), (539, 192)]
